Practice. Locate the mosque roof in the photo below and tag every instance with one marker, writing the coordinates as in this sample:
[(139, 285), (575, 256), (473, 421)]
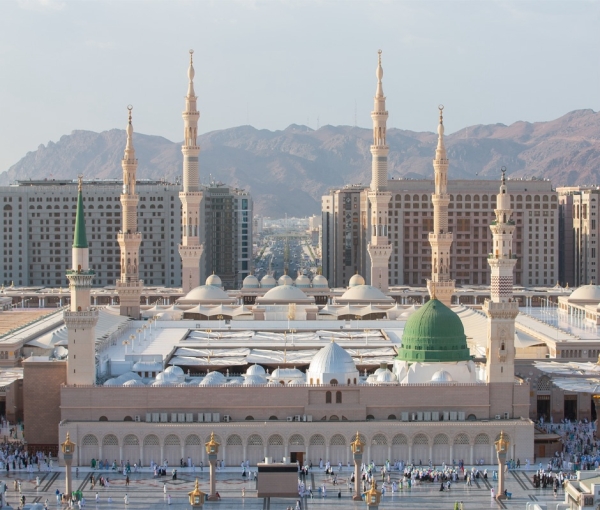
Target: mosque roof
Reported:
[(586, 293), (302, 281), (434, 333), (320, 281), (268, 281), (332, 359), (250, 282), (356, 280), (214, 280), (284, 279), (207, 293), (284, 293), (363, 294)]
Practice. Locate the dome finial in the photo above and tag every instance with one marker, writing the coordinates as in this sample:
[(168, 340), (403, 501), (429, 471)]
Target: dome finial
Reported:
[(503, 170), (441, 124), (379, 74), (129, 145), (79, 183)]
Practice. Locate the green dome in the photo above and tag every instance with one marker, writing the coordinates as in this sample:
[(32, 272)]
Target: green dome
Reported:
[(434, 333)]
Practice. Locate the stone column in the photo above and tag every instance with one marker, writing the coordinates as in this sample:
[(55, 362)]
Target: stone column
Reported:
[(501, 464), (68, 479), (212, 493), (357, 462)]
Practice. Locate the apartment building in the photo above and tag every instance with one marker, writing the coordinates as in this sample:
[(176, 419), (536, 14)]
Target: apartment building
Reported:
[(470, 212)]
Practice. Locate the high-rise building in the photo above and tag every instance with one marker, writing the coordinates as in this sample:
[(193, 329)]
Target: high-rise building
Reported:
[(191, 247), (379, 247), (579, 234), (227, 214), (441, 238), (129, 285), (470, 210), (38, 217)]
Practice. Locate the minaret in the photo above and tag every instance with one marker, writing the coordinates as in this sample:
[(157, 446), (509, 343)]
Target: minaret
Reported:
[(190, 248), (440, 239), (129, 285), (81, 319), (379, 248), (501, 308)]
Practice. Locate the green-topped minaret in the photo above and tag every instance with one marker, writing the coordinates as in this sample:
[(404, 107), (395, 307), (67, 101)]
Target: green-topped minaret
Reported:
[(434, 334), (81, 318)]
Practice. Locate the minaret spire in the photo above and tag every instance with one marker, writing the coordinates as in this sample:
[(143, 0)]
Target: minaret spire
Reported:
[(501, 308), (81, 319), (129, 285), (440, 285), (190, 248), (379, 247)]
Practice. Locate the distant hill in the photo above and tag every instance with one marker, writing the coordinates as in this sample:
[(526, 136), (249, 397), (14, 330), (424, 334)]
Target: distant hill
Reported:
[(288, 171)]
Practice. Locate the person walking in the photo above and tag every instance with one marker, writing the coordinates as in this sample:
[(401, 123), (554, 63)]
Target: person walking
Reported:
[(126, 499)]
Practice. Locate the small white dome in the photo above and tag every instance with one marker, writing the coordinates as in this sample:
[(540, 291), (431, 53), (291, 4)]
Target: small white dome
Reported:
[(586, 293), (332, 362), (112, 382), (302, 281), (213, 379), (296, 382), (268, 282), (254, 380), (441, 376), (284, 293), (175, 370), (133, 382), (214, 280), (162, 383), (207, 293), (286, 373), (250, 282), (364, 294), (320, 282), (386, 377), (235, 382), (285, 280), (255, 370), (356, 280), (128, 376)]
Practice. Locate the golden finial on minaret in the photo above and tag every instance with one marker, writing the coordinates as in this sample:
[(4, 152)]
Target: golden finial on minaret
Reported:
[(191, 56), (129, 107), (79, 182), (441, 109)]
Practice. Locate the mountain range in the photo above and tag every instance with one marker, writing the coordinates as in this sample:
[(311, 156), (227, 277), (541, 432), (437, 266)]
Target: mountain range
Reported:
[(288, 171)]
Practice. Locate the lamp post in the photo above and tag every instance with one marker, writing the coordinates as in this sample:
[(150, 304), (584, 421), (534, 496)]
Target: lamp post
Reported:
[(357, 447), (196, 497), (208, 332), (292, 331), (501, 450), (212, 449), (126, 343), (373, 496), (68, 449), (219, 318)]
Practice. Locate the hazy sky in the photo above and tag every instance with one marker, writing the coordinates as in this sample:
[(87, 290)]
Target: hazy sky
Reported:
[(67, 65)]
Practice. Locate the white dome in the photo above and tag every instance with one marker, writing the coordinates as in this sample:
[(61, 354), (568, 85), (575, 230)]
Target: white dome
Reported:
[(332, 362), (112, 382), (386, 377), (286, 373), (250, 282), (213, 379), (255, 370), (296, 382), (284, 293), (133, 382), (207, 293), (253, 380), (320, 281), (381, 370), (128, 376), (285, 280), (586, 293), (268, 282), (163, 383), (175, 370), (214, 280), (356, 280), (364, 293), (302, 281), (441, 376)]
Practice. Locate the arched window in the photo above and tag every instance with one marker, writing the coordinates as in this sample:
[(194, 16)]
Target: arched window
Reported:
[(333, 382), (370, 417), (249, 418), (328, 397), (338, 397)]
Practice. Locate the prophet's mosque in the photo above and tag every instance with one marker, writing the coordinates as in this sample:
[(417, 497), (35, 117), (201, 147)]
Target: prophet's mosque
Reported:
[(283, 369)]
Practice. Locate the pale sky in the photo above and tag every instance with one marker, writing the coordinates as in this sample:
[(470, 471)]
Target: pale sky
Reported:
[(67, 65)]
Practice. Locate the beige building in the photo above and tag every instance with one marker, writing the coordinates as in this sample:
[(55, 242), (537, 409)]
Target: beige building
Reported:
[(470, 211)]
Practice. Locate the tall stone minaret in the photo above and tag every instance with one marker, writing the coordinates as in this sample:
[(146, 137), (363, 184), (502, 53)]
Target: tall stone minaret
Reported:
[(379, 247), (190, 248), (81, 319), (440, 239), (129, 286), (501, 309)]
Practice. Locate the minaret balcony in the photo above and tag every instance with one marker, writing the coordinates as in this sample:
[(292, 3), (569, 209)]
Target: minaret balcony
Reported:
[(80, 272), (441, 237)]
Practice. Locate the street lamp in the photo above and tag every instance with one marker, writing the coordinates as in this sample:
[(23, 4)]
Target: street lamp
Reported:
[(219, 318), (292, 331), (208, 332), (126, 343)]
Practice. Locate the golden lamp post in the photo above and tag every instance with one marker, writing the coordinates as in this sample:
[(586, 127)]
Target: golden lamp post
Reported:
[(501, 450), (373, 496), (212, 449), (196, 497), (358, 447), (68, 449)]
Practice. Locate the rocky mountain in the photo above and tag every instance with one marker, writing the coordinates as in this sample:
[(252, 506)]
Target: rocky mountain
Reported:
[(288, 171)]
